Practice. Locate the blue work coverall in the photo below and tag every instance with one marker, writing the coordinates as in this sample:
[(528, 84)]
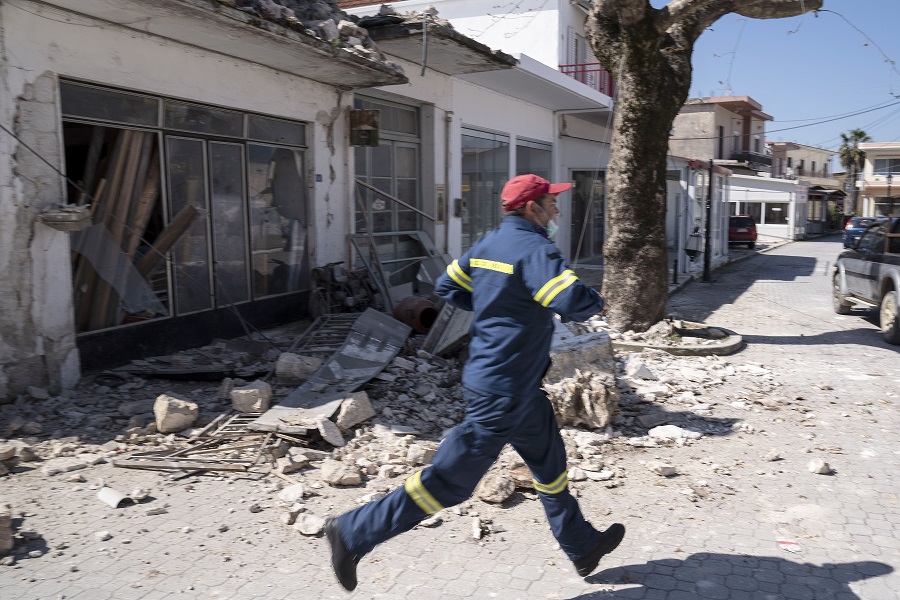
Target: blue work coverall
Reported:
[(514, 279)]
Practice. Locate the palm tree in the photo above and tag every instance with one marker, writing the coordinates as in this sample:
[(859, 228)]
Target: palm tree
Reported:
[(852, 159)]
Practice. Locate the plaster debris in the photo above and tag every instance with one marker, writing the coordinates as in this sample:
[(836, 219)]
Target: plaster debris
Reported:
[(292, 494), (335, 472), (662, 469), (772, 456), (309, 524), (252, 398), (495, 488), (173, 414), (819, 467), (355, 410), (673, 432), (295, 368), (330, 432)]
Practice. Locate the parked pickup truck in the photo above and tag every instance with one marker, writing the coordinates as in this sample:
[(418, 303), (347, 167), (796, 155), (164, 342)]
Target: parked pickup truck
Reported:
[(869, 273)]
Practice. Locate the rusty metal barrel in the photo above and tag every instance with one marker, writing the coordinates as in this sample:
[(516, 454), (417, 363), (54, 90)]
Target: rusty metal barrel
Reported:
[(416, 311)]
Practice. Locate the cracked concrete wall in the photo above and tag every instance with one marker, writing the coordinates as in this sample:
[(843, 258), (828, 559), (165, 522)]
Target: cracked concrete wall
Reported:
[(37, 338)]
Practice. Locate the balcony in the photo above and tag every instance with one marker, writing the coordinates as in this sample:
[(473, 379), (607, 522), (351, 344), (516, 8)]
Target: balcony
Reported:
[(752, 157), (592, 75)]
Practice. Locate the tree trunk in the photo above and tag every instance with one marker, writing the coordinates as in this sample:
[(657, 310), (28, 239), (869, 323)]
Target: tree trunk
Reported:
[(648, 51), (652, 87)]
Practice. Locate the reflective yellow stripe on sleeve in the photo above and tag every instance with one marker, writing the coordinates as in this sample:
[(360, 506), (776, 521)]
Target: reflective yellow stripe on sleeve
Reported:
[(553, 287), (420, 495), (459, 276), (553, 488)]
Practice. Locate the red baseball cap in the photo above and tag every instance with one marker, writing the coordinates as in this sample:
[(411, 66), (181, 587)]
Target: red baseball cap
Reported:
[(522, 189)]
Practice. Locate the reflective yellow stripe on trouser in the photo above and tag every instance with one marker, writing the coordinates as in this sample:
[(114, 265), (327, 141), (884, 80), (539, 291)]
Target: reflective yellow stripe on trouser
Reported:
[(553, 488), (553, 287), (420, 495)]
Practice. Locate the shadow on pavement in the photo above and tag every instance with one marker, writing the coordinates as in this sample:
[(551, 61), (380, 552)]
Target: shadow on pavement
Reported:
[(860, 336), (708, 575), (697, 299)]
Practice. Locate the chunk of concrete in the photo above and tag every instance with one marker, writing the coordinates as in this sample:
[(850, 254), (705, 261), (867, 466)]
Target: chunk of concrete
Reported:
[(581, 382), (252, 398), (330, 432), (309, 524), (419, 454), (355, 409), (495, 488), (335, 472), (294, 368), (173, 414)]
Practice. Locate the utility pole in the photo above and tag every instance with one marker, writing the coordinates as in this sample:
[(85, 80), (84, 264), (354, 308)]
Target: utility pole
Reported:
[(708, 230)]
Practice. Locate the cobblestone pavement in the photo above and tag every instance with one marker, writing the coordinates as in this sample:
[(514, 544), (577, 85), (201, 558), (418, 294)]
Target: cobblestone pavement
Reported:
[(732, 525)]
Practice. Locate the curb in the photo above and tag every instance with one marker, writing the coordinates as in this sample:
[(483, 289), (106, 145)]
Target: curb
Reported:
[(727, 345)]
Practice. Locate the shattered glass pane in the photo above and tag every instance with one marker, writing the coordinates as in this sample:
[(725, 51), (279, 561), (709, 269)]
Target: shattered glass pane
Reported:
[(277, 220)]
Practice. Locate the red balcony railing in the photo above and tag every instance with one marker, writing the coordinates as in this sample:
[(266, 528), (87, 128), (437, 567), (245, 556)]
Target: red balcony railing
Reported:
[(591, 75)]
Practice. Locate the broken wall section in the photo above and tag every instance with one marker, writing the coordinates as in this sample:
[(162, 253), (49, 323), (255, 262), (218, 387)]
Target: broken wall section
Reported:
[(37, 341)]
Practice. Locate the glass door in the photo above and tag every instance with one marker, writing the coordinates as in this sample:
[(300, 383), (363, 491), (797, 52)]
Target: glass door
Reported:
[(588, 214)]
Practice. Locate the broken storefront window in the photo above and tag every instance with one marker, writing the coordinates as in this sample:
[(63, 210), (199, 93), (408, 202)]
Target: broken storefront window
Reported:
[(220, 194)]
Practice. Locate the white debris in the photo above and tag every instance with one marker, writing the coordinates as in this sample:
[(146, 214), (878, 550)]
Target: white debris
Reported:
[(330, 432), (292, 494), (419, 454), (252, 398), (495, 488), (336, 472), (173, 414), (819, 467), (662, 469), (673, 432), (294, 368), (309, 524), (355, 409)]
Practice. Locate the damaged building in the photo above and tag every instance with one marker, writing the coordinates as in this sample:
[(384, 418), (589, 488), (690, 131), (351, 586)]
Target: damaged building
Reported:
[(169, 170), (176, 171)]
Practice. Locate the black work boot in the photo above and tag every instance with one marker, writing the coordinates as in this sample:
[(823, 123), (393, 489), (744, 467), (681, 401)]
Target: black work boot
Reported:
[(608, 542), (342, 561)]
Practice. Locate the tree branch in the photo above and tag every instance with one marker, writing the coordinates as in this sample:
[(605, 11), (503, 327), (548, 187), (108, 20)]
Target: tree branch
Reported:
[(700, 14)]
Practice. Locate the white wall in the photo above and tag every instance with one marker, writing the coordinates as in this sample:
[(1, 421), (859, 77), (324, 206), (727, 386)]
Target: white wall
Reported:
[(748, 188), (529, 27), (35, 305), (466, 104)]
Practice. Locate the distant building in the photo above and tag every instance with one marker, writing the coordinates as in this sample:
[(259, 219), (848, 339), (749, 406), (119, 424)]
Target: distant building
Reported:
[(791, 160), (728, 129), (880, 179)]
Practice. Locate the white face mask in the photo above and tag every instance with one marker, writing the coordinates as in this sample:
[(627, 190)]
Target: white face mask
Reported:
[(551, 227)]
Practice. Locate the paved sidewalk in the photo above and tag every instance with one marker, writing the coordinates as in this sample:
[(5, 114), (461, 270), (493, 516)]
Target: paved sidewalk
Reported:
[(733, 525)]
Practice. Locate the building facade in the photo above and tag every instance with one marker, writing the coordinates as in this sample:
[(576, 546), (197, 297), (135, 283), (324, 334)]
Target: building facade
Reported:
[(879, 195), (168, 172)]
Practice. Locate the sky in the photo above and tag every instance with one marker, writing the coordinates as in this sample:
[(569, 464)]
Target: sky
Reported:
[(817, 76)]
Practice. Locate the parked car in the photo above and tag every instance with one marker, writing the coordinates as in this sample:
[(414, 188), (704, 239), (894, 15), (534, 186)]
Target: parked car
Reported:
[(869, 273), (854, 228), (742, 230)]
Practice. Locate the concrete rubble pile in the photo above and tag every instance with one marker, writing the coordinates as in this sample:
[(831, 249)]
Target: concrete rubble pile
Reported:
[(319, 18), (385, 432)]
